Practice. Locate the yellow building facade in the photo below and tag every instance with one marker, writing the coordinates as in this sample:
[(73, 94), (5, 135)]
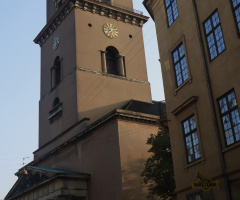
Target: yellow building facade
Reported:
[(199, 49)]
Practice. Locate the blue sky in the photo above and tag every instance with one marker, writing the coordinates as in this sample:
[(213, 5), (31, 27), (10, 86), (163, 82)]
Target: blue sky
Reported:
[(20, 22)]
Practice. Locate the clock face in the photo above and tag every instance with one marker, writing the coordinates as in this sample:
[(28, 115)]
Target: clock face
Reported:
[(56, 42), (110, 30)]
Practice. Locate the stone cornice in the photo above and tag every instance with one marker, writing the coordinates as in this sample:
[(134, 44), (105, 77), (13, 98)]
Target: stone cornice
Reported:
[(117, 114), (92, 6), (113, 76), (184, 105), (54, 22), (150, 6)]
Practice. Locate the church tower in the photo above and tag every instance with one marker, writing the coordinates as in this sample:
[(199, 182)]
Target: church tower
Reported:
[(95, 108), (92, 61)]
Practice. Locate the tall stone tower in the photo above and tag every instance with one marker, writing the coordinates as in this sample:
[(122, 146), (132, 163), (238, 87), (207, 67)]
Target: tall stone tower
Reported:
[(95, 108)]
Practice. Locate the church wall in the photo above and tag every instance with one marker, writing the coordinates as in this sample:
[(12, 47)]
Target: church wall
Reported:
[(66, 51), (98, 155), (125, 3), (66, 90), (99, 95), (134, 153), (90, 40), (50, 129), (50, 9)]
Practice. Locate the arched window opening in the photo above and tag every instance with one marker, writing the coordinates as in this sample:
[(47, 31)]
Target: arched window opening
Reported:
[(111, 60), (56, 72), (115, 62)]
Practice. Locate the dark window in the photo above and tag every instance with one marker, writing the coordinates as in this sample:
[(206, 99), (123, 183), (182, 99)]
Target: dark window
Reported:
[(172, 11), (57, 3), (180, 65), (236, 10), (111, 60), (235, 189), (191, 139), (111, 63), (56, 102), (230, 117), (196, 196), (214, 35), (56, 72), (56, 110)]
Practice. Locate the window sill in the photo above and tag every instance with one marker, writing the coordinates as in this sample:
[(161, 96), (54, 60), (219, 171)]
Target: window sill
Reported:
[(233, 146), (188, 81), (201, 160)]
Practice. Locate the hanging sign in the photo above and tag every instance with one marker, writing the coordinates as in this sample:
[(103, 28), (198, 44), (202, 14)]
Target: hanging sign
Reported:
[(204, 182)]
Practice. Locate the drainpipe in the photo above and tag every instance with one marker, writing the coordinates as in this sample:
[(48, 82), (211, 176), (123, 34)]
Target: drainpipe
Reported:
[(211, 100)]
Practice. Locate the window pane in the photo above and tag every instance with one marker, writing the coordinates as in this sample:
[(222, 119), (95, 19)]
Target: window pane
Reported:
[(197, 196), (167, 2), (232, 100), (175, 9), (223, 105), (236, 11), (235, 190)]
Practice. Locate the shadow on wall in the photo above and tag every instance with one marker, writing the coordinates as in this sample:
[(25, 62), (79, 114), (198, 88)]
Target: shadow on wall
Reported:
[(98, 112), (133, 186)]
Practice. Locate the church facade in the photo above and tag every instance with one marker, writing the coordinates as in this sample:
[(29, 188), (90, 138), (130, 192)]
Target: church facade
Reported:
[(95, 108)]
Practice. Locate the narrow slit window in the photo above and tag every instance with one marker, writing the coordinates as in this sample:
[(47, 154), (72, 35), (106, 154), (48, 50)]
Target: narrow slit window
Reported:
[(56, 72)]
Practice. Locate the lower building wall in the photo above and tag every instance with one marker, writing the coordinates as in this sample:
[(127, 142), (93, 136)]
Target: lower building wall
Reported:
[(134, 152), (114, 155)]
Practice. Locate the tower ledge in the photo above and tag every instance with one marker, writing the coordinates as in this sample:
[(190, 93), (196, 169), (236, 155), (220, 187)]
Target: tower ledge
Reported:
[(112, 11)]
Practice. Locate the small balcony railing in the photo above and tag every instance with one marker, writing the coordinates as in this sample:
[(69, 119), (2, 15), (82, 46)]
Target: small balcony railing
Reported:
[(120, 6)]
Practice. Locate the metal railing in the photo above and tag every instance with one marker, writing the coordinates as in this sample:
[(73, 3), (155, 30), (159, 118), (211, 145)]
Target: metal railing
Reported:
[(120, 6)]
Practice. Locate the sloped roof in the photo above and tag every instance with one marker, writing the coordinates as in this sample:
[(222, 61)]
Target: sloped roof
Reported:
[(55, 171), (38, 176), (157, 108)]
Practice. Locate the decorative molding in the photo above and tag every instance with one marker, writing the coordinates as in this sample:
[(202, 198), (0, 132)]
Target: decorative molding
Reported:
[(184, 105), (54, 22), (113, 76), (93, 6), (55, 112), (94, 72)]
